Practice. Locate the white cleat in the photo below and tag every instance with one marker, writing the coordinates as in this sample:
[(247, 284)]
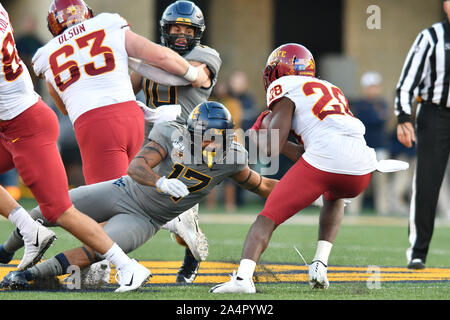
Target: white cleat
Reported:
[(98, 274), (36, 243), (95, 276), (132, 276), (235, 285), (318, 275), (187, 228)]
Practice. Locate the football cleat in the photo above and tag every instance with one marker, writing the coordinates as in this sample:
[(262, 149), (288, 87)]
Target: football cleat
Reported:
[(5, 256), (15, 280), (186, 226), (189, 268), (132, 276), (416, 264), (36, 243), (93, 277), (318, 275), (235, 285)]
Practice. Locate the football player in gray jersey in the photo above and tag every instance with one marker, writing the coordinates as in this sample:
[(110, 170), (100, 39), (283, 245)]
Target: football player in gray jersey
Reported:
[(177, 169), (182, 25)]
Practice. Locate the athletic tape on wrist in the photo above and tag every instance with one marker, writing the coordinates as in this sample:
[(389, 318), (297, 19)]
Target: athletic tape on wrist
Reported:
[(191, 74)]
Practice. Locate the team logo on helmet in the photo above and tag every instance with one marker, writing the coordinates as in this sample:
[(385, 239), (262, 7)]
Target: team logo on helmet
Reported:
[(63, 14)]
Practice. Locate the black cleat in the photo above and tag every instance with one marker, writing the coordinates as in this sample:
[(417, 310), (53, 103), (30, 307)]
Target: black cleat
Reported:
[(15, 280), (416, 264), (189, 269)]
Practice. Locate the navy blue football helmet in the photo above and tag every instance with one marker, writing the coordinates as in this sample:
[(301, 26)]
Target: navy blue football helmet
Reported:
[(211, 121), (182, 12)]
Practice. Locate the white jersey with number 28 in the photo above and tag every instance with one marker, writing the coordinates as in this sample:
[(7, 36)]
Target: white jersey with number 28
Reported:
[(332, 137)]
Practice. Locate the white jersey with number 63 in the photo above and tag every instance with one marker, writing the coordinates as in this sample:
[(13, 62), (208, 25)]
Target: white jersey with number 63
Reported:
[(87, 64)]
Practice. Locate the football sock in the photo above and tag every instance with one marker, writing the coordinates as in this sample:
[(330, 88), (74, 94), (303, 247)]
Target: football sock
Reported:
[(246, 269), (53, 267), (323, 251), (14, 242), (117, 257), (22, 220)]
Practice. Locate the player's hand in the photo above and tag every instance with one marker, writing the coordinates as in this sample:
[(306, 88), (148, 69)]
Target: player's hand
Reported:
[(405, 134), (202, 76), (257, 125), (174, 187)]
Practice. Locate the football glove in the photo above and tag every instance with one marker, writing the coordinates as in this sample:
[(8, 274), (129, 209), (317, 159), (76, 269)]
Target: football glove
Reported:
[(174, 187)]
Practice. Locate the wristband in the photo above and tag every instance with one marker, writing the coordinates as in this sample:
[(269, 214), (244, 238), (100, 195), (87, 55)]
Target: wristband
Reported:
[(159, 181), (191, 74), (403, 117)]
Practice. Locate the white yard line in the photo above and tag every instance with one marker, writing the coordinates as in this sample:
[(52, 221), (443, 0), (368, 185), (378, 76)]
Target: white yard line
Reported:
[(231, 218)]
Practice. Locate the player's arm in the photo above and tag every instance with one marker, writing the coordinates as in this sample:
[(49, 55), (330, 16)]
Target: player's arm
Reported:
[(136, 82), (141, 171), (141, 167), (293, 151), (56, 98), (143, 70), (282, 112), (207, 83), (163, 57), (254, 182)]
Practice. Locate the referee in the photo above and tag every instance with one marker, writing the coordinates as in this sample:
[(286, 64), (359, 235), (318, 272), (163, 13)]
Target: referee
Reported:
[(426, 78)]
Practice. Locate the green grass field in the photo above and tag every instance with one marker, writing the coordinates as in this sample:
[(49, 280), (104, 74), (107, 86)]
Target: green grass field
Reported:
[(362, 241)]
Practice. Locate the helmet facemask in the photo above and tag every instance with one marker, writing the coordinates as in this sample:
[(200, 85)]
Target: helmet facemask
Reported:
[(215, 152), (268, 75), (170, 40)]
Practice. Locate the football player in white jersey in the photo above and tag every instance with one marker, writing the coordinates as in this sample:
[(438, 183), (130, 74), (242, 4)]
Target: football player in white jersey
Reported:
[(332, 160), (85, 67), (28, 141)]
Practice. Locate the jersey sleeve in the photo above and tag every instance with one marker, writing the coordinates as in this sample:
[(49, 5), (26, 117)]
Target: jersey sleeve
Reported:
[(280, 88), (39, 62), (208, 56), (113, 21), (155, 74), (162, 135)]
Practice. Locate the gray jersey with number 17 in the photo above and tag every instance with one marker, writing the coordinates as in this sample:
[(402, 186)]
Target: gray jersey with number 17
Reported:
[(135, 212), (199, 178)]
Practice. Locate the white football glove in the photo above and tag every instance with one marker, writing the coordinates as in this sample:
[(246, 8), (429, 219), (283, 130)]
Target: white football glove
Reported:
[(174, 187)]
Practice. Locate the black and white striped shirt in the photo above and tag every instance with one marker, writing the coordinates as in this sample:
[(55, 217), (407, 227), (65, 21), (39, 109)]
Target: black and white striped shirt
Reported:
[(426, 72)]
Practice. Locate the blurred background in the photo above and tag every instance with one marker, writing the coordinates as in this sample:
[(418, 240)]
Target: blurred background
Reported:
[(359, 45)]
